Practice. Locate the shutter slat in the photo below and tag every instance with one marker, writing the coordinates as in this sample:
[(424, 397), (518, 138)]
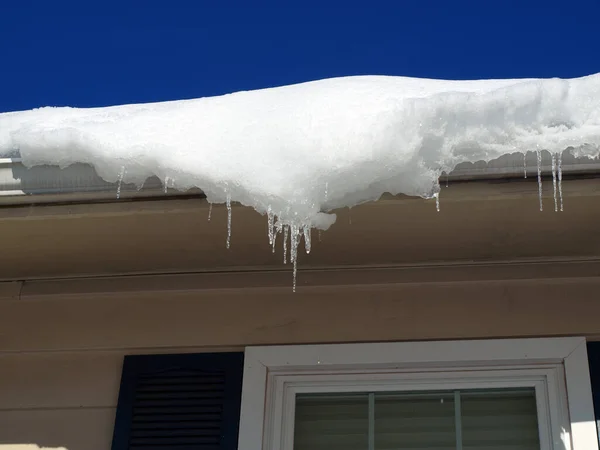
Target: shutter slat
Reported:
[(172, 425), (182, 377), (141, 405), (169, 395), (186, 440), (205, 430), (214, 389), (179, 410), (141, 419)]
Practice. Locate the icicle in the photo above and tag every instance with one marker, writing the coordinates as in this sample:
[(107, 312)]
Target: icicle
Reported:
[(539, 173), (294, 241), (285, 238), (165, 184), (307, 238), (559, 164), (295, 271), (437, 201), (525, 164), (228, 220), (294, 235), (120, 181), (446, 179), (270, 224), (349, 216), (209, 211), (274, 239), (554, 181), (326, 190)]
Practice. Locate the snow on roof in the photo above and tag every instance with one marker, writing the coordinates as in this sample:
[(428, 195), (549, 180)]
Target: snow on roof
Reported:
[(296, 152)]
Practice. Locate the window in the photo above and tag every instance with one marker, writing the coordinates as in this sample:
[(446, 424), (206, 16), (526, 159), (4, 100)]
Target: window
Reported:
[(530, 394)]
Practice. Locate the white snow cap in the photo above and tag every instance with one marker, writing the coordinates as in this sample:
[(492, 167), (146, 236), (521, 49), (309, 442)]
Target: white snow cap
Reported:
[(302, 150)]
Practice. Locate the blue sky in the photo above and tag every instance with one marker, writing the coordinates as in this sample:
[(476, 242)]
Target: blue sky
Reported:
[(88, 53)]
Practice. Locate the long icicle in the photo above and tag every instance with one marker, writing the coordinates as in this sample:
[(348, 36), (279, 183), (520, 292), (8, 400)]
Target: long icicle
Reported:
[(209, 211), (294, 241), (554, 181), (277, 228), (285, 239), (120, 181), (559, 164), (525, 164), (270, 221), (228, 220), (539, 173)]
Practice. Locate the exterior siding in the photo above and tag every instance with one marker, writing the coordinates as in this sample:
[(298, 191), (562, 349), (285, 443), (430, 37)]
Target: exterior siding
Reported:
[(240, 317), (62, 340), (61, 357)]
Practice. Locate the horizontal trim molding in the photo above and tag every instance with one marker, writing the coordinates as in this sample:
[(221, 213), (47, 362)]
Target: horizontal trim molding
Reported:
[(559, 271)]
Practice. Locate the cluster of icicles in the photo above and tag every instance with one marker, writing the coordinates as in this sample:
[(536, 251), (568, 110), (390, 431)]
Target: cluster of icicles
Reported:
[(556, 178), (294, 233)]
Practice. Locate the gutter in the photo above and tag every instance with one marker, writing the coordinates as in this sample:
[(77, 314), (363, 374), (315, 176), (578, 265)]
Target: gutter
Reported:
[(79, 183)]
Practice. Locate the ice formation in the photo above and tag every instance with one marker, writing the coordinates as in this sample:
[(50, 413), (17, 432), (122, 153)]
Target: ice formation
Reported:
[(297, 152)]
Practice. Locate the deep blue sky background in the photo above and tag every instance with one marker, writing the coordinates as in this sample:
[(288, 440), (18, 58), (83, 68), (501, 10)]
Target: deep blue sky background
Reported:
[(95, 53)]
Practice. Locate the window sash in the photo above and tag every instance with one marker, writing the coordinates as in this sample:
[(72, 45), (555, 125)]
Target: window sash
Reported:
[(372, 418), (543, 381)]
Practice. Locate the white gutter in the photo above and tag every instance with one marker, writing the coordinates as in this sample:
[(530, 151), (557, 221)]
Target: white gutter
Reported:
[(80, 183), (77, 183)]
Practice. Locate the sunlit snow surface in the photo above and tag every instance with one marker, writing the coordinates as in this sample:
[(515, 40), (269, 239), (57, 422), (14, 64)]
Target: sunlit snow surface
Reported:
[(296, 152)]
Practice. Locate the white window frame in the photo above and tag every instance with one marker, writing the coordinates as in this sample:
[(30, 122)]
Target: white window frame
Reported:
[(556, 367)]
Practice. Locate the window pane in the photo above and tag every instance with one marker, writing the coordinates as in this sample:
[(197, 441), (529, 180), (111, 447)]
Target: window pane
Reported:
[(332, 422), (486, 420), (415, 421), (499, 420)]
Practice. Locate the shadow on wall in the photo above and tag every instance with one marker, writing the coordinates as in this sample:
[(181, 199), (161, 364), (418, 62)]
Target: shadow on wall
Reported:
[(28, 447), (64, 428)]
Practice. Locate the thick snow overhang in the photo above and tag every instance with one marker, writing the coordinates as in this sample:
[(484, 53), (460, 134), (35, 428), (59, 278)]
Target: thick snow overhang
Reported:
[(79, 183)]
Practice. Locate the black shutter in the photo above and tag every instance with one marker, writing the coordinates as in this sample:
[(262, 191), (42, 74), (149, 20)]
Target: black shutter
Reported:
[(179, 402), (593, 349)]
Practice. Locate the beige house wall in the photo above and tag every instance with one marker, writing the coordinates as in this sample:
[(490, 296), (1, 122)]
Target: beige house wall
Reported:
[(85, 286), (61, 355)]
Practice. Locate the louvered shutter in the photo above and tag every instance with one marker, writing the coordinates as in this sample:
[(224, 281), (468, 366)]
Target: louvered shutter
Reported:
[(179, 402), (593, 349)]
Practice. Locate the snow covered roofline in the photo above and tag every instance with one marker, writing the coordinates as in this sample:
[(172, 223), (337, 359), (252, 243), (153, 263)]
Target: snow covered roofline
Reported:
[(297, 152)]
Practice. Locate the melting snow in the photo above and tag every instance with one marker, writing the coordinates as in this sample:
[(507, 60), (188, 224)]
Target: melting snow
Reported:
[(297, 152)]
